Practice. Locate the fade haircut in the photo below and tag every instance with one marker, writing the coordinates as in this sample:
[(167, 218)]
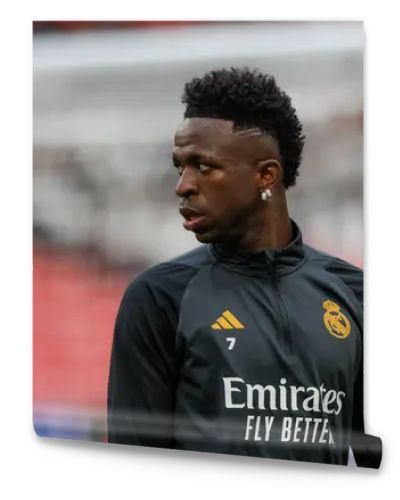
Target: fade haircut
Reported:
[(250, 99)]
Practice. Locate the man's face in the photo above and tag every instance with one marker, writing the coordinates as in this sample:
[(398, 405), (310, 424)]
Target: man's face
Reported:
[(220, 195)]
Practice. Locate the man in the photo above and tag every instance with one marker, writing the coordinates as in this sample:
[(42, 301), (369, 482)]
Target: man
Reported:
[(250, 344)]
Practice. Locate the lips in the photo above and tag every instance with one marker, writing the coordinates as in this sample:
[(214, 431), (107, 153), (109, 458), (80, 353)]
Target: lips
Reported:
[(193, 218)]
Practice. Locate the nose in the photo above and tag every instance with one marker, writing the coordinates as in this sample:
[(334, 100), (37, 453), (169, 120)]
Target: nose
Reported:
[(187, 184)]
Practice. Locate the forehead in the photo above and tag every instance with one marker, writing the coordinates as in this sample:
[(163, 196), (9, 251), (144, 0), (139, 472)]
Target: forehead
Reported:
[(216, 137), (209, 135)]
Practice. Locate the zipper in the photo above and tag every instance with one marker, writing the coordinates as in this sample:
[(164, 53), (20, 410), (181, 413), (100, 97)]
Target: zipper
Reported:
[(282, 311)]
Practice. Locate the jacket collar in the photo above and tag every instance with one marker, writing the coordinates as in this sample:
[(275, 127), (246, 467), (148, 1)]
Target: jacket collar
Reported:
[(264, 263)]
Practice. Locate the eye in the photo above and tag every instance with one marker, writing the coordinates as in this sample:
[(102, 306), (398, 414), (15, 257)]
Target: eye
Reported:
[(203, 168)]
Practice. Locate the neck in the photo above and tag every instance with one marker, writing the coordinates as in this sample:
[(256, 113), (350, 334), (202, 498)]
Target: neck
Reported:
[(269, 230)]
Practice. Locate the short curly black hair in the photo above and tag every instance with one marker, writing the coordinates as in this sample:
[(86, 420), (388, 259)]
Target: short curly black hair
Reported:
[(249, 98)]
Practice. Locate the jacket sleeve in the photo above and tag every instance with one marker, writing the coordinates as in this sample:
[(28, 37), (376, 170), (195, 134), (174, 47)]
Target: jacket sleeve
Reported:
[(141, 383), (367, 449)]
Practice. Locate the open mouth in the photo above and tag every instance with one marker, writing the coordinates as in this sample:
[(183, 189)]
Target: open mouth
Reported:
[(193, 222)]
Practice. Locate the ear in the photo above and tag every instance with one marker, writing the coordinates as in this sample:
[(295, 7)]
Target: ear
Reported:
[(269, 173)]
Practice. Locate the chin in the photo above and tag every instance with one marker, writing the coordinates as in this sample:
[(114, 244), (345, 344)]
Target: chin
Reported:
[(209, 237), (204, 238)]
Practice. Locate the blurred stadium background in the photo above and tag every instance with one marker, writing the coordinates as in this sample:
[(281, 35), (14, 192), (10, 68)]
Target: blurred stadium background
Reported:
[(106, 103)]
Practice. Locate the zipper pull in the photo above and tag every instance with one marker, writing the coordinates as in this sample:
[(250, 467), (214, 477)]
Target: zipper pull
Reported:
[(271, 268)]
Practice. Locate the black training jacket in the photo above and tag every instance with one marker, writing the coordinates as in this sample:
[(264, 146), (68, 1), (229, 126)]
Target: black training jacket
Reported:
[(257, 354)]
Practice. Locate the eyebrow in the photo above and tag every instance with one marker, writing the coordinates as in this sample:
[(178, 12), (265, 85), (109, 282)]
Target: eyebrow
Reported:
[(192, 158)]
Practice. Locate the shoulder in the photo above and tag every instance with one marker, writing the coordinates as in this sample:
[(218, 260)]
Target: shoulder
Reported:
[(169, 278), (333, 264), (351, 275)]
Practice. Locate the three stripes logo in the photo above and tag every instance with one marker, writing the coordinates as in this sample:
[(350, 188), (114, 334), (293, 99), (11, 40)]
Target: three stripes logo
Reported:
[(227, 321)]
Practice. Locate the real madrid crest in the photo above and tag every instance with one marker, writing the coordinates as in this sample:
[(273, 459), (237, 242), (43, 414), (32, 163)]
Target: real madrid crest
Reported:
[(335, 321)]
